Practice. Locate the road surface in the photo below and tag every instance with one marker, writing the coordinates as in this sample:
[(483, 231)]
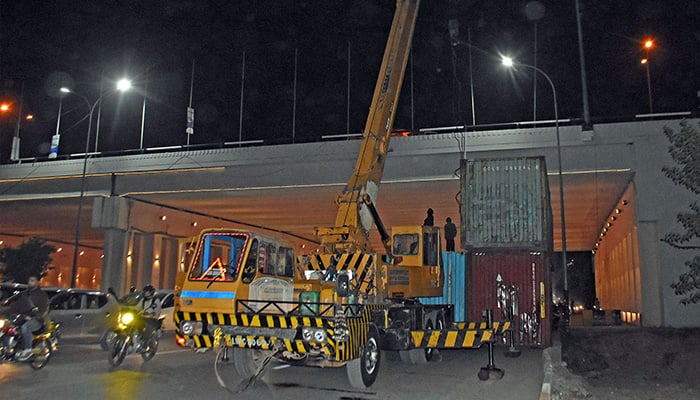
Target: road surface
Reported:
[(81, 371)]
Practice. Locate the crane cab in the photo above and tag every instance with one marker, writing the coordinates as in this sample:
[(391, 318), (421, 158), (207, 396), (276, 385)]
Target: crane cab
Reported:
[(416, 270), (234, 264)]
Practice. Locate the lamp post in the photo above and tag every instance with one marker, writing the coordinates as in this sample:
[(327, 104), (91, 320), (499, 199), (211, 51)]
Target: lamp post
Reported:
[(56, 138), (648, 44), (7, 107), (14, 151), (122, 86), (508, 62)]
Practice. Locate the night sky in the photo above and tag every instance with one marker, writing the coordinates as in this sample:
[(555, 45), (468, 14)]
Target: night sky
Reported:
[(47, 44)]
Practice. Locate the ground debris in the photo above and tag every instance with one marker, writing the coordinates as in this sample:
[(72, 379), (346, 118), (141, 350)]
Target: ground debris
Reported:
[(627, 362)]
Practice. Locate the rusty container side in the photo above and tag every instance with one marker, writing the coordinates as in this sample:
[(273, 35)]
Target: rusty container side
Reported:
[(505, 203), (525, 271)]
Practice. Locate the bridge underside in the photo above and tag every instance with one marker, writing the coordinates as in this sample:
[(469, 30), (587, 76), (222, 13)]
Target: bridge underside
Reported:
[(589, 199)]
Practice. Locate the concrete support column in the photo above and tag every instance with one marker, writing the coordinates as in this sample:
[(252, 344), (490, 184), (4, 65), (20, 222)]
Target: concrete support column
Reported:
[(651, 274), (144, 256), (116, 244), (168, 262), (112, 215)]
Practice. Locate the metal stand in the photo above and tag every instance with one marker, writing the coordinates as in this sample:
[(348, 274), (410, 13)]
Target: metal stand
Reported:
[(490, 370), (512, 351)]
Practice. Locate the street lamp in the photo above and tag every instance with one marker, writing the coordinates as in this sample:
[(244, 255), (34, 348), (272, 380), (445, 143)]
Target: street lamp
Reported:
[(14, 151), (648, 44), (122, 86), (508, 62)]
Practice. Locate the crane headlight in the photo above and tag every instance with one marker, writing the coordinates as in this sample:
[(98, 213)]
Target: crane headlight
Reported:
[(191, 328), (317, 335)]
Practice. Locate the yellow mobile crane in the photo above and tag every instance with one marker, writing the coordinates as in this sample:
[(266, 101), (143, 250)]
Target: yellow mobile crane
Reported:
[(344, 304)]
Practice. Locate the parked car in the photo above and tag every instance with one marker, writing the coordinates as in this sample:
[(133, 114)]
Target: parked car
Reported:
[(167, 305), (82, 313)]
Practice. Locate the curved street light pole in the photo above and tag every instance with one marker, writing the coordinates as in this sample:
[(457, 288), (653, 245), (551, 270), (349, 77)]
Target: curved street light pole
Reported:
[(509, 63), (648, 44), (74, 269)]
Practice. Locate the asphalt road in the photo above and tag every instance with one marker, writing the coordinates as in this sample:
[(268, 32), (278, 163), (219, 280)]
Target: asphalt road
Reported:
[(81, 371)]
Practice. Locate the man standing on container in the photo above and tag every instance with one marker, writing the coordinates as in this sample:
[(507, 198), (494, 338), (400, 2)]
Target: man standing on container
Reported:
[(450, 233), (428, 221)]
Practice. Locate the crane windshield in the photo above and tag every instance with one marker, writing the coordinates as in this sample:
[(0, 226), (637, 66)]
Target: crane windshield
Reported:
[(219, 256)]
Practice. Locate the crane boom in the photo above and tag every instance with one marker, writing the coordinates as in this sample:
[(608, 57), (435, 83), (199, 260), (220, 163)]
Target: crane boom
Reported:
[(343, 304), (356, 211)]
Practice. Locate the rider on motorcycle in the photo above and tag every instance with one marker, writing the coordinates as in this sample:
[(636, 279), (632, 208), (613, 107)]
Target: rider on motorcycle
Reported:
[(33, 304), (150, 310)]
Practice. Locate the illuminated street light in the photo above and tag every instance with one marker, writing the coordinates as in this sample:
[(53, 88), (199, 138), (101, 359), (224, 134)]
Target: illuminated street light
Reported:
[(14, 151), (122, 86), (508, 62), (56, 138), (648, 45)]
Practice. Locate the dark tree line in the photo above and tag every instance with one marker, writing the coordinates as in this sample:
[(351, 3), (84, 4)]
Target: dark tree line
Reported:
[(31, 258)]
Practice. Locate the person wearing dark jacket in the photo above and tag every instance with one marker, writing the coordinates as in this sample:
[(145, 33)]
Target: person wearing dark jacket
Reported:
[(429, 221), (450, 233), (33, 304)]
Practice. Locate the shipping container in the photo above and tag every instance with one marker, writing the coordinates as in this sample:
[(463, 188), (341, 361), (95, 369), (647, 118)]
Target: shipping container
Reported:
[(522, 273), (505, 203), (454, 290)]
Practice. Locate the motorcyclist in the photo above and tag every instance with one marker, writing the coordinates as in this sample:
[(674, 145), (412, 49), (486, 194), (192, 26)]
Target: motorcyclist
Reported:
[(150, 307), (33, 305)]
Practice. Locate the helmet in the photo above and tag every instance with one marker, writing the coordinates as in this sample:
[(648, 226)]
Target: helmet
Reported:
[(148, 291)]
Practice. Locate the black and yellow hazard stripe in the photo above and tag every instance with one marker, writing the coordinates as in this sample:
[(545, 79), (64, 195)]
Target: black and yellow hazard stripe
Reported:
[(452, 338), (467, 335), (499, 327), (269, 321), (363, 264), (358, 334)]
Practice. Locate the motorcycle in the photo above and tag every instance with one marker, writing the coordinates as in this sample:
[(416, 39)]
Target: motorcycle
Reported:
[(129, 337), (44, 344), (107, 337)]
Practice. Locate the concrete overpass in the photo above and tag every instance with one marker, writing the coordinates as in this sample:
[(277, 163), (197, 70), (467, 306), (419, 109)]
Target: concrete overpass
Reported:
[(291, 189)]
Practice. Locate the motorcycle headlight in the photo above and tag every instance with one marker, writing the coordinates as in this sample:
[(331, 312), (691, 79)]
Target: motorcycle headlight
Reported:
[(126, 318), (2, 323)]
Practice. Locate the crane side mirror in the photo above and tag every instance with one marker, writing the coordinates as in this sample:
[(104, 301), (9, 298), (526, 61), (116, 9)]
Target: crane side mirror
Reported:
[(343, 285)]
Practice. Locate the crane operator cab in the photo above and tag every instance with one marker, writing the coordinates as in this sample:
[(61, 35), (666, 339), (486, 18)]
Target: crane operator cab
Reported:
[(232, 264), (416, 270)]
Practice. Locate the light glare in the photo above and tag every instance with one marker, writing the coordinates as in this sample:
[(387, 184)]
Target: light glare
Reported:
[(507, 61), (123, 85)]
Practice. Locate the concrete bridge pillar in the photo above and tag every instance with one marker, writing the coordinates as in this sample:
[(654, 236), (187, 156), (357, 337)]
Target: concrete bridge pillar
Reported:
[(112, 215)]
